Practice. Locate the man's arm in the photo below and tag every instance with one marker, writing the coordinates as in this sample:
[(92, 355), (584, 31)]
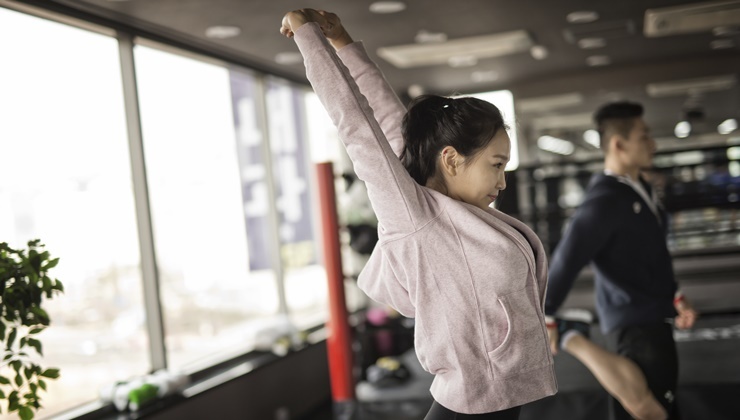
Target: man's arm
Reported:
[(590, 229)]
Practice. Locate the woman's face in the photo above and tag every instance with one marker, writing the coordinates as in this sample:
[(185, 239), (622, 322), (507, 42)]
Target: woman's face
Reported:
[(480, 178)]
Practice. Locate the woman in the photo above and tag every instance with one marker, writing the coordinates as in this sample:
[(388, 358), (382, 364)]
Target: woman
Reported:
[(473, 277)]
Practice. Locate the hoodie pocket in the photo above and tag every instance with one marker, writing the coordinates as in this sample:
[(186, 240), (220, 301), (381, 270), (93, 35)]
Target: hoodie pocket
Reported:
[(524, 347)]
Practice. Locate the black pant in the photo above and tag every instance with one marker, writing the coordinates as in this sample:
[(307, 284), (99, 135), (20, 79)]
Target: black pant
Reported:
[(437, 412), (652, 348)]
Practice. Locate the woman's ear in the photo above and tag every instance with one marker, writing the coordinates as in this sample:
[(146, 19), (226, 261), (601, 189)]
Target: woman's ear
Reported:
[(449, 161)]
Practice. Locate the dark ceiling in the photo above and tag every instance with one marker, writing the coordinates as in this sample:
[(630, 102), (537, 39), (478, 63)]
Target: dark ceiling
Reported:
[(635, 59)]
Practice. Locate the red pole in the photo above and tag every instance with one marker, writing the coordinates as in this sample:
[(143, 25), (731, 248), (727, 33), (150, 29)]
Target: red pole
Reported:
[(338, 340)]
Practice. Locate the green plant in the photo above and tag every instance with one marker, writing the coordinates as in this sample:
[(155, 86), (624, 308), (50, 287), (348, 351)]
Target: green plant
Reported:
[(24, 282)]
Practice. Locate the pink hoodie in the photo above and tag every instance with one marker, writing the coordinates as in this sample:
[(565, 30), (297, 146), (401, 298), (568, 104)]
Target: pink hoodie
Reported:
[(474, 280)]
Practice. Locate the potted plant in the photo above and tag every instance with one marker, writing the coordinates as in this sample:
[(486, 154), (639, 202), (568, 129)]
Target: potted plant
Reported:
[(24, 283)]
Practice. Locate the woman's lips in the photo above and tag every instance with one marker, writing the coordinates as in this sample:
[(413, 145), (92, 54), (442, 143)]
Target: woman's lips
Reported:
[(493, 197)]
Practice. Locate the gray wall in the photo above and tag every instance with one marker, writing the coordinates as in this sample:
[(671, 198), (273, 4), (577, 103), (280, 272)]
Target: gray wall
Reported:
[(298, 382)]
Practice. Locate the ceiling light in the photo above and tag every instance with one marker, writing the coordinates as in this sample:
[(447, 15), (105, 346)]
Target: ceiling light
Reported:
[(608, 30), (580, 121), (691, 86), (726, 30), (288, 58), (539, 52), (682, 130), (727, 126), (462, 61), (384, 7), (480, 47), (549, 103), (484, 76), (598, 60), (582, 16), (721, 44), (591, 43), (415, 90), (555, 145), (693, 157), (733, 153), (222, 32), (592, 137), (734, 168), (695, 17), (426, 37)]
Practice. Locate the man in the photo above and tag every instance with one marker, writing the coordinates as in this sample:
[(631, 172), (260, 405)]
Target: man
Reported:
[(621, 229)]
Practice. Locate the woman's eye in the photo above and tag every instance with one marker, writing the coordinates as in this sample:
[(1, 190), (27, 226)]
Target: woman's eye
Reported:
[(498, 165)]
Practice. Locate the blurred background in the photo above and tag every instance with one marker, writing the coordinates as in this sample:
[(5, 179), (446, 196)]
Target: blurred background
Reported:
[(165, 151)]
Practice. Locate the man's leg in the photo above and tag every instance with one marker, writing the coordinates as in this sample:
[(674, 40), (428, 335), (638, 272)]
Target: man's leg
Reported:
[(619, 376), (653, 350)]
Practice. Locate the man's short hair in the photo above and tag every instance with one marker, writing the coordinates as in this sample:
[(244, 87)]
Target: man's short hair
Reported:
[(616, 118)]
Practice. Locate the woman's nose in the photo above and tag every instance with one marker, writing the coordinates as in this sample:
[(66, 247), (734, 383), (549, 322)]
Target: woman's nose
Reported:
[(501, 184)]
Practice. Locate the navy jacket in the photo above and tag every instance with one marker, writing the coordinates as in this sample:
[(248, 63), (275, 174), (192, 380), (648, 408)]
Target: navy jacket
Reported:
[(615, 230)]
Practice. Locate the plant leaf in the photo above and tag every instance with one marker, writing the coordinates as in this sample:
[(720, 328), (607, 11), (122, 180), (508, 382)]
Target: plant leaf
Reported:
[(4, 380), (19, 380), (36, 344), (25, 413), (35, 330), (41, 314), (51, 264), (42, 384), (50, 373), (11, 338)]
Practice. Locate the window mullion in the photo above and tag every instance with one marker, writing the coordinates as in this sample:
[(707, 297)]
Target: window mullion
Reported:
[(150, 273), (273, 215)]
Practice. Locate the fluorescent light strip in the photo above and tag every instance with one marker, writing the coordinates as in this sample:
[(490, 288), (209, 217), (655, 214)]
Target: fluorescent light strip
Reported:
[(484, 46), (686, 86), (555, 145)]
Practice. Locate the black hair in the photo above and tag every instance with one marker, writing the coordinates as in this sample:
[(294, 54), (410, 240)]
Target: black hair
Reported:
[(616, 118), (434, 122)]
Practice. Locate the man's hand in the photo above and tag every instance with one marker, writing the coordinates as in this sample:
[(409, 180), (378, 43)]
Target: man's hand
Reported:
[(552, 333), (686, 314)]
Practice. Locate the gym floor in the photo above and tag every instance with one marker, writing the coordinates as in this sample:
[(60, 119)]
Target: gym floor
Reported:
[(709, 383)]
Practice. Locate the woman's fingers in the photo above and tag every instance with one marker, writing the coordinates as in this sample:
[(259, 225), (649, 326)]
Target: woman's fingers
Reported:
[(553, 336), (286, 31), (329, 24), (294, 20), (332, 25)]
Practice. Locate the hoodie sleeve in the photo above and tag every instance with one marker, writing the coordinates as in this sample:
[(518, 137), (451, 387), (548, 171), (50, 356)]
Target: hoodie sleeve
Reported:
[(388, 109), (398, 201)]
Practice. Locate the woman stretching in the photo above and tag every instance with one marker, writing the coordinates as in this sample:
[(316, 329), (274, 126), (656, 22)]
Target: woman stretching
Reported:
[(423, 142), (473, 277)]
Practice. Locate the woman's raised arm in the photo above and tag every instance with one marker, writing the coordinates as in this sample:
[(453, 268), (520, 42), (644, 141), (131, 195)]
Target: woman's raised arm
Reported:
[(399, 203), (388, 109)]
